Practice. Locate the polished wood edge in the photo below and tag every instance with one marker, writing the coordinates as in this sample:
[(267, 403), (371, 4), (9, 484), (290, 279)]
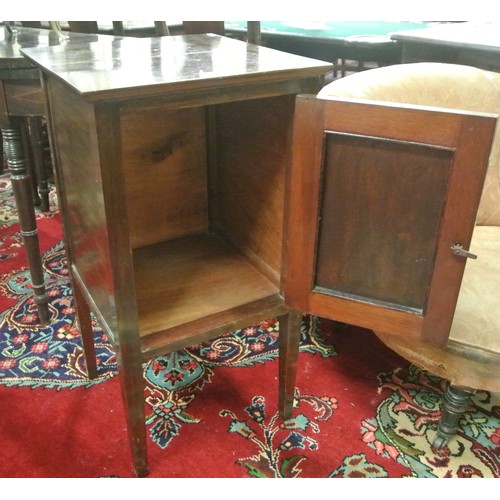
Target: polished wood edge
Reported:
[(194, 93), (206, 328), (462, 365), (103, 323), (355, 313), (478, 132), (20, 74)]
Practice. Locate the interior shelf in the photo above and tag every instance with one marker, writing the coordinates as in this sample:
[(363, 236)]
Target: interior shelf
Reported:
[(193, 278)]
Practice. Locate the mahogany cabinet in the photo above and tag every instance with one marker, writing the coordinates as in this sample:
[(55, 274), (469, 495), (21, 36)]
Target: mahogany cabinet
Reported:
[(171, 160)]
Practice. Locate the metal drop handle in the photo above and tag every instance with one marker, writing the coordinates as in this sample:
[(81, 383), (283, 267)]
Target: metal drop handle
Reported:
[(458, 249)]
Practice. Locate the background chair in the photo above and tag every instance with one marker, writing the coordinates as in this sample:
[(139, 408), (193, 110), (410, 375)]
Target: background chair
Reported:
[(121, 28), (161, 28), (253, 34), (470, 358)]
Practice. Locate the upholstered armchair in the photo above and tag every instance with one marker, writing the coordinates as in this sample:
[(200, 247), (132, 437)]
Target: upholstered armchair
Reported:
[(470, 360)]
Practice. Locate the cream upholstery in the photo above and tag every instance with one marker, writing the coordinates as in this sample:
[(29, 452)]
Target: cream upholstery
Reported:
[(477, 318), (435, 84)]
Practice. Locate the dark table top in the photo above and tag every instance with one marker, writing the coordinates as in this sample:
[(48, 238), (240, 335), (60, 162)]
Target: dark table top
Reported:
[(11, 46), (478, 35), (331, 31), (110, 67)]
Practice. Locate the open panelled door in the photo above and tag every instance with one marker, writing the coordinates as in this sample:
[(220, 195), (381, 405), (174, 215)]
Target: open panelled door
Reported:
[(381, 208)]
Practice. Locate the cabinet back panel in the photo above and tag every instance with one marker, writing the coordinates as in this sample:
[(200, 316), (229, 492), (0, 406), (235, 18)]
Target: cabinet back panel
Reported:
[(366, 247), (165, 170)]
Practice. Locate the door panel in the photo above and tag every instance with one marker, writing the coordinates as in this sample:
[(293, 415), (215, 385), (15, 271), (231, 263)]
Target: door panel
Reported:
[(378, 195), (381, 242)]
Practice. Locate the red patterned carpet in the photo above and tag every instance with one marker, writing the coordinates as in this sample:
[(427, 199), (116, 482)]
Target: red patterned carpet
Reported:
[(361, 411)]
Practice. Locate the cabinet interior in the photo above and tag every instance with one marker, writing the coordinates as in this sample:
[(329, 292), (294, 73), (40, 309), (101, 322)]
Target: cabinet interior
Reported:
[(205, 200)]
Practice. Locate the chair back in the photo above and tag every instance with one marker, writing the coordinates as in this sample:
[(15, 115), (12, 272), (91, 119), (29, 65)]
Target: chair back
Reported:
[(437, 85)]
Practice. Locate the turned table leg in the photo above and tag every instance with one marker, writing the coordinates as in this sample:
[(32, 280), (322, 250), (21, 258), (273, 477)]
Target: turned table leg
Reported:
[(16, 163), (35, 145), (455, 403)]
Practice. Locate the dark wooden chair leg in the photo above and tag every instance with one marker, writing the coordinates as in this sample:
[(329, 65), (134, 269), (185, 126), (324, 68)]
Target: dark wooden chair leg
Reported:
[(290, 326), (16, 163), (35, 143), (455, 403), (86, 331)]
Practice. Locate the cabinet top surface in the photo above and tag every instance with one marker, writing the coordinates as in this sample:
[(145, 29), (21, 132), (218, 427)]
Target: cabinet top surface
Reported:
[(105, 66)]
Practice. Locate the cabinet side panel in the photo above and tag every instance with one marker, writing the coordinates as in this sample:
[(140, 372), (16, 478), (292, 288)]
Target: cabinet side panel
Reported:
[(253, 147), (81, 195), (165, 173), (380, 218)]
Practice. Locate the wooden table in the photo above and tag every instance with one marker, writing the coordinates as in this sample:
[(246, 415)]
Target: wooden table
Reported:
[(171, 156), (471, 43), (22, 107)]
